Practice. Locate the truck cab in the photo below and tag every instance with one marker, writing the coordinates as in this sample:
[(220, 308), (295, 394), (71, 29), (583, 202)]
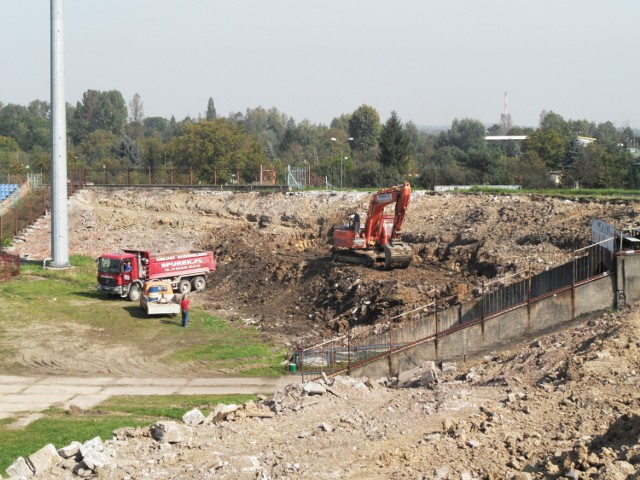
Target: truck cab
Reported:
[(119, 274)]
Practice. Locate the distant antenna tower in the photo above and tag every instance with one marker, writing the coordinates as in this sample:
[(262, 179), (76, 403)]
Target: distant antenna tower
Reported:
[(505, 118)]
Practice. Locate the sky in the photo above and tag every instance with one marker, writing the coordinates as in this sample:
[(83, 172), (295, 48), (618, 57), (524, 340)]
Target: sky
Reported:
[(430, 61)]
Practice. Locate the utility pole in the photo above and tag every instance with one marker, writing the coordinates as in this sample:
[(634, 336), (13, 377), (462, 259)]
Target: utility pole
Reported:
[(59, 214), (342, 159)]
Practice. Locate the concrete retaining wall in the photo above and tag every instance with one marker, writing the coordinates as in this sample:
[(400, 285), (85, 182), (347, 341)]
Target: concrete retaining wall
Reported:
[(629, 277), (456, 341)]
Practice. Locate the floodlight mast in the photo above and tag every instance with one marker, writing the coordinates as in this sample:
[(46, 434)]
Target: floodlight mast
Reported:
[(59, 213)]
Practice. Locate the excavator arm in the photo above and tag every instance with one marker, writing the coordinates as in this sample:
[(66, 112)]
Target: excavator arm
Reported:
[(375, 232), (402, 203)]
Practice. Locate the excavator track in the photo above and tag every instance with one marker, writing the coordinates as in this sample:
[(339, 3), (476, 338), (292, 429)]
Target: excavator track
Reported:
[(353, 256), (398, 255)]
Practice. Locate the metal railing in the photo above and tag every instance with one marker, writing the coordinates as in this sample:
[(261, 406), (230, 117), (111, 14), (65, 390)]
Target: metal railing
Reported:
[(294, 177), (168, 176), (9, 266), (429, 322)]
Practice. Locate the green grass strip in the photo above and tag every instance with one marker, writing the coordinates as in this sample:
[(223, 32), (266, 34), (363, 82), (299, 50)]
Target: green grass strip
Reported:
[(60, 428)]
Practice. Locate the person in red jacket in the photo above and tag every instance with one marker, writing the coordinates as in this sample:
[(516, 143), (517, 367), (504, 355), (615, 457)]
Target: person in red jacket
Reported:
[(184, 306)]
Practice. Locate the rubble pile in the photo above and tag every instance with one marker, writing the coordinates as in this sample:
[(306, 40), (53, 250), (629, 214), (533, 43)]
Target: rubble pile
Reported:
[(563, 406)]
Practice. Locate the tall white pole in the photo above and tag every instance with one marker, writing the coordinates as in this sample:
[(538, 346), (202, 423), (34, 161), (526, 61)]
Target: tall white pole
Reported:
[(59, 213)]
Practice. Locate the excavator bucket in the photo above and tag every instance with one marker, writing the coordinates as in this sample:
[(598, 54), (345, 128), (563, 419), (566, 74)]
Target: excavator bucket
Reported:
[(398, 255)]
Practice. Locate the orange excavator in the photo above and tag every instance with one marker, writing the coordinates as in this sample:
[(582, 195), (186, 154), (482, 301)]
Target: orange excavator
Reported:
[(379, 239)]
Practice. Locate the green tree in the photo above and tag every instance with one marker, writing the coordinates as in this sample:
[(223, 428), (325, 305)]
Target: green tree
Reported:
[(26, 128), (529, 170), (128, 150), (369, 174), (364, 128), (483, 164), (341, 122), (96, 149), (582, 128), (464, 134), (413, 137), (602, 166), (39, 108), (219, 144), (8, 145), (99, 111), (554, 121), (157, 127), (152, 153), (40, 159), (606, 133), (394, 146), (8, 152), (550, 145), (447, 167)]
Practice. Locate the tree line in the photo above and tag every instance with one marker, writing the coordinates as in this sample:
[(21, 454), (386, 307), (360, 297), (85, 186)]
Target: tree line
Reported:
[(357, 149)]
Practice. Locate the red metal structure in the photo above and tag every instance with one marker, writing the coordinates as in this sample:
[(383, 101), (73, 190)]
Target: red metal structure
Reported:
[(379, 238), (9, 266)]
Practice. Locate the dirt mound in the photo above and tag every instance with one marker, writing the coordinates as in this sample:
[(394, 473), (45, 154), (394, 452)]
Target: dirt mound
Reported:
[(274, 268)]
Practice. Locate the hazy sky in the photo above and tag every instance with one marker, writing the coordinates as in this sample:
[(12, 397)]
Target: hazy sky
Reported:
[(430, 61)]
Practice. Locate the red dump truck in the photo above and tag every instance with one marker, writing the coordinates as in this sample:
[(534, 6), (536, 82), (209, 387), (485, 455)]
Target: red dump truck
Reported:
[(124, 274)]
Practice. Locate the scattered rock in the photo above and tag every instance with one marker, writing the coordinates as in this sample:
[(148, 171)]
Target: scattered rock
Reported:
[(20, 469), (193, 417), (43, 460), (170, 432)]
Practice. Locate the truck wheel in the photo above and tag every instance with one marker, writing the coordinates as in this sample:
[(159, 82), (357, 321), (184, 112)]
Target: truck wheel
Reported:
[(134, 292), (184, 286), (199, 284)]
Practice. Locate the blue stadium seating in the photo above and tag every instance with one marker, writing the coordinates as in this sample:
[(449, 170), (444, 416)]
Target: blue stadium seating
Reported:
[(7, 189)]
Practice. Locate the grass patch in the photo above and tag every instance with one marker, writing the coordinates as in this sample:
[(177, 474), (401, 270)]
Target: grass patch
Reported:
[(238, 348), (62, 427), (604, 193), (68, 300)]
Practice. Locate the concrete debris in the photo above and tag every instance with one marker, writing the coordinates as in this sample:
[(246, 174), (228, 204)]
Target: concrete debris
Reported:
[(20, 469), (94, 460), (70, 450), (193, 417), (314, 388), (95, 444), (170, 432), (221, 412), (43, 460)]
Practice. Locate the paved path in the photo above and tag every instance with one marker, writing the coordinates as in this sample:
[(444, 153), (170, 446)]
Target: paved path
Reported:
[(25, 397)]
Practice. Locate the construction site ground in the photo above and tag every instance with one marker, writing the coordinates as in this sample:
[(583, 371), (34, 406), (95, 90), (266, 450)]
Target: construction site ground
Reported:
[(560, 406)]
